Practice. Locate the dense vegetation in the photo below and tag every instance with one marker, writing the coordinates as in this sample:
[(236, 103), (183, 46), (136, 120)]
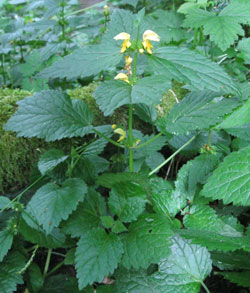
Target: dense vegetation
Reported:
[(125, 155)]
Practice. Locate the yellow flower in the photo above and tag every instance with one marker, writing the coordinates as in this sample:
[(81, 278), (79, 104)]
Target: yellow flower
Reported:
[(141, 51), (106, 10), (128, 61), (114, 126), (121, 132), (148, 36), (122, 76), (126, 43)]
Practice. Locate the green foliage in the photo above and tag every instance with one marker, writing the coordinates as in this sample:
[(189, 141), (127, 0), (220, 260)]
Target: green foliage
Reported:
[(6, 239), (97, 253), (242, 278)]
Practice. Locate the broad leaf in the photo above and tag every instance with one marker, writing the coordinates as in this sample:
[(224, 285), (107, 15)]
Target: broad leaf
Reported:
[(127, 201), (147, 241), (9, 276), (231, 180), (198, 110), (241, 279), (215, 241), (97, 256), (112, 94), (32, 232), (59, 283), (87, 215), (50, 160), (52, 203), (50, 115), (6, 239), (187, 264), (244, 48), (4, 201), (187, 66), (133, 282)]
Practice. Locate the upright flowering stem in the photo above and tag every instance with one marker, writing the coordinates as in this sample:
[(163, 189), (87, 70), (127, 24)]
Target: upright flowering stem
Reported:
[(130, 121)]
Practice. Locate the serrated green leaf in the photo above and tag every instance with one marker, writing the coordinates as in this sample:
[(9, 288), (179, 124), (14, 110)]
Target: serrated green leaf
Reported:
[(35, 278), (70, 257), (9, 277), (147, 241), (154, 160), (97, 256), (32, 232), (231, 180), (127, 201), (244, 48), (32, 64), (242, 131), (195, 173), (165, 200), (87, 215), (198, 110), (50, 159), (198, 72), (50, 115), (241, 279), (6, 239), (112, 94), (52, 203), (133, 282), (215, 241), (187, 264), (118, 227), (202, 217), (107, 221), (3, 201), (231, 260)]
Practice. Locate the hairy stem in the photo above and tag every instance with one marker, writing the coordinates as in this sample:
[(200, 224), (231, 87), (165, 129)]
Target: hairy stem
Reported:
[(205, 287), (108, 139)]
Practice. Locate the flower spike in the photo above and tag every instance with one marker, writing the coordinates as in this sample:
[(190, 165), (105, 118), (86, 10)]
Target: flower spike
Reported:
[(121, 132), (122, 76)]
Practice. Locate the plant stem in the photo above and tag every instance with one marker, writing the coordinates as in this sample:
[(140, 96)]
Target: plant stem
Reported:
[(86, 9), (209, 138), (3, 70), (172, 156), (55, 268), (149, 141), (18, 197), (130, 137), (204, 286), (108, 139), (47, 263), (29, 261)]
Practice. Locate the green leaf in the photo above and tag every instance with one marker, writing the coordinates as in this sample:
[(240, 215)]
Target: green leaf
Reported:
[(133, 281), (50, 159), (3, 201), (107, 221), (87, 215), (165, 200), (215, 241), (112, 94), (59, 283), (35, 278), (241, 279), (239, 117), (6, 239), (50, 115), (244, 48), (127, 201), (97, 256), (32, 232), (231, 260), (198, 72), (130, 2), (9, 277), (195, 173), (198, 110), (52, 203), (187, 264), (231, 180), (147, 241)]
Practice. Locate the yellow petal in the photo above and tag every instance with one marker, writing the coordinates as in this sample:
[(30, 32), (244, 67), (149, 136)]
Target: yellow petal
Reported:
[(151, 36), (141, 51), (147, 46), (122, 76), (126, 44), (122, 36), (121, 132), (114, 126), (128, 60)]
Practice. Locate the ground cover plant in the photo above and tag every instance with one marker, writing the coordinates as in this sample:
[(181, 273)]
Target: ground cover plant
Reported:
[(149, 195)]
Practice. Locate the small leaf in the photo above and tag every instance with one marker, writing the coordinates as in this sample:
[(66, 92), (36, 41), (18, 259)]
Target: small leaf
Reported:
[(59, 283), (97, 256), (50, 159), (231, 180), (147, 241), (52, 203), (50, 115), (187, 264), (6, 239)]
